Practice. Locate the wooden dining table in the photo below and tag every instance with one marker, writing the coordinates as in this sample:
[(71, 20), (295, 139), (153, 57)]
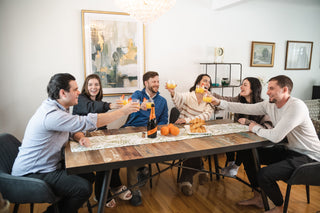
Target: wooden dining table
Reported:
[(111, 158)]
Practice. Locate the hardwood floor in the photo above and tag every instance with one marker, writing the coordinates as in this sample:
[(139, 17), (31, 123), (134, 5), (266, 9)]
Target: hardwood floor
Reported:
[(216, 196)]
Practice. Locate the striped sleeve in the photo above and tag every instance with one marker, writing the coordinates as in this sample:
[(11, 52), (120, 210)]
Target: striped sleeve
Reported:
[(204, 115)]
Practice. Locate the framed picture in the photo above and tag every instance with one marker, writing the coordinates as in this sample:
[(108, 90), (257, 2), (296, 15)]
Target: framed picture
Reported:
[(262, 54), (298, 56), (113, 48)]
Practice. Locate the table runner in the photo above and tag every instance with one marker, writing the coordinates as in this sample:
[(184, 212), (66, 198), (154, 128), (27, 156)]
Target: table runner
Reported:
[(129, 139)]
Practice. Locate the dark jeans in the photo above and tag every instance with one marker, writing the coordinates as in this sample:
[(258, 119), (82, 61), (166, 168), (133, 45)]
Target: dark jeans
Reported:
[(281, 164), (187, 174), (73, 189), (114, 182)]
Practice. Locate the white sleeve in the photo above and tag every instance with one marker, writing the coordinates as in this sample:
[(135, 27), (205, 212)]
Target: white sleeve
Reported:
[(291, 117), (249, 109)]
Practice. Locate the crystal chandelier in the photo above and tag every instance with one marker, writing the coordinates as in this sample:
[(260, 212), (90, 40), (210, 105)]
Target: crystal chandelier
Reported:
[(145, 11)]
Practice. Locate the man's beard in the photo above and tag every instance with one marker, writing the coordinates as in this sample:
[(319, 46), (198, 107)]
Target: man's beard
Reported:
[(272, 101), (152, 90)]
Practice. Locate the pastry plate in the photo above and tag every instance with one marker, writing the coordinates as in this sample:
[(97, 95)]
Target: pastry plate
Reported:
[(187, 128)]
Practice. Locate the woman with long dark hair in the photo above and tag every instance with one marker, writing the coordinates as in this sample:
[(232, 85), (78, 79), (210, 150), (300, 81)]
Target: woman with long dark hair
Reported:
[(90, 101), (250, 93), (190, 105)]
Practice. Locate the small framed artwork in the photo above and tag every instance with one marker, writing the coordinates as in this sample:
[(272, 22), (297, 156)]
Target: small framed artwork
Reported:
[(262, 54), (299, 54), (113, 48)]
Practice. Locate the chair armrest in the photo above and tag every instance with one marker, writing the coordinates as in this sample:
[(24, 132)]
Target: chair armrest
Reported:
[(25, 190), (307, 174)]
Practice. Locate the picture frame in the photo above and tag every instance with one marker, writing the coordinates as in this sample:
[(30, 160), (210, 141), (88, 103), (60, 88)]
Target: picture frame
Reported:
[(262, 54), (298, 55), (114, 49)]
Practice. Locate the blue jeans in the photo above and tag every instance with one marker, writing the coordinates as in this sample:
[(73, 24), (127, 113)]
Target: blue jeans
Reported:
[(73, 189)]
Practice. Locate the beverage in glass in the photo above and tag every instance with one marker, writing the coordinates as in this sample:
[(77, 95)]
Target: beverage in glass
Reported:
[(199, 89), (171, 84), (207, 98)]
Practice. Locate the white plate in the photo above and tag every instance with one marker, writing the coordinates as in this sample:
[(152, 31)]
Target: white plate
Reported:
[(187, 128)]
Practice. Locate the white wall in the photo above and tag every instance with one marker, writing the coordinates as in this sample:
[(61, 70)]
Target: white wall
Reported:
[(42, 37)]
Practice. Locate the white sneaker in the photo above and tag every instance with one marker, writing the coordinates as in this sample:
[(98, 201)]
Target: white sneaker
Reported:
[(231, 170), (230, 163)]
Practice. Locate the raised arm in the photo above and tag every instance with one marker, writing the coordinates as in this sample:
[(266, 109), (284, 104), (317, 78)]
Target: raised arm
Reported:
[(86, 106), (107, 118)]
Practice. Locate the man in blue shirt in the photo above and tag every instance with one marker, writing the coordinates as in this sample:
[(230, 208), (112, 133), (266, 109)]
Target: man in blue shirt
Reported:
[(48, 131), (149, 92), (140, 118)]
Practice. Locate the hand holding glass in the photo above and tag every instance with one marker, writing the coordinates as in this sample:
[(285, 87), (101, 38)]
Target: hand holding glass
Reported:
[(148, 104), (136, 101), (199, 89), (171, 84), (207, 98)]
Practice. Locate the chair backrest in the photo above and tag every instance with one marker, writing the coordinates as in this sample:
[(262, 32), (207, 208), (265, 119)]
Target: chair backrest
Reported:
[(9, 148), (307, 174), (174, 115), (18, 189)]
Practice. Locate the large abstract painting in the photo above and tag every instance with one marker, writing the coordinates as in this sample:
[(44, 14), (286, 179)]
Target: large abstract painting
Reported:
[(113, 46)]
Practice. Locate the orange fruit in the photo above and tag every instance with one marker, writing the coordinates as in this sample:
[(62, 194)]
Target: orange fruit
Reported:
[(164, 130), (174, 130)]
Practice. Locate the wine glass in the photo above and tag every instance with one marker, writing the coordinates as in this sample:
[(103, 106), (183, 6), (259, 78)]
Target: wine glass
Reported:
[(207, 98), (171, 84), (199, 89), (149, 103)]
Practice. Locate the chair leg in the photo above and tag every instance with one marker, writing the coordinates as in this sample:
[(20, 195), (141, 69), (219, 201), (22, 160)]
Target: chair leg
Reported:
[(89, 207), (172, 163), (16, 208), (216, 165), (286, 202), (210, 166), (31, 207), (179, 170), (308, 193), (55, 207), (150, 173), (158, 167)]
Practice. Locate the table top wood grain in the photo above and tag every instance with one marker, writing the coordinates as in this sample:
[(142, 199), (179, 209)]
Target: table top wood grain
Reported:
[(111, 158)]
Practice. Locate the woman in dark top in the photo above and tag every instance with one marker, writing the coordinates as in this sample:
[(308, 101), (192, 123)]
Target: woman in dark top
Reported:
[(90, 101), (250, 92)]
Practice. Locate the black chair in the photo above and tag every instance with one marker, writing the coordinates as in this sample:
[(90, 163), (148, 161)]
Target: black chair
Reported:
[(307, 174), (174, 115), (21, 190)]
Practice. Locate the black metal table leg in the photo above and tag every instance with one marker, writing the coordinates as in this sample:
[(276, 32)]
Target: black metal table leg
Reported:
[(257, 166), (104, 190)]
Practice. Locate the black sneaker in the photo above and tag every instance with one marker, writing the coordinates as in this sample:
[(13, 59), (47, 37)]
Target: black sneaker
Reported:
[(136, 198), (143, 175)]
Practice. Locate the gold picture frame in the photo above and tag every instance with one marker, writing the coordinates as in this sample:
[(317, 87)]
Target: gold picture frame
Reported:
[(114, 49), (298, 55), (262, 54)]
